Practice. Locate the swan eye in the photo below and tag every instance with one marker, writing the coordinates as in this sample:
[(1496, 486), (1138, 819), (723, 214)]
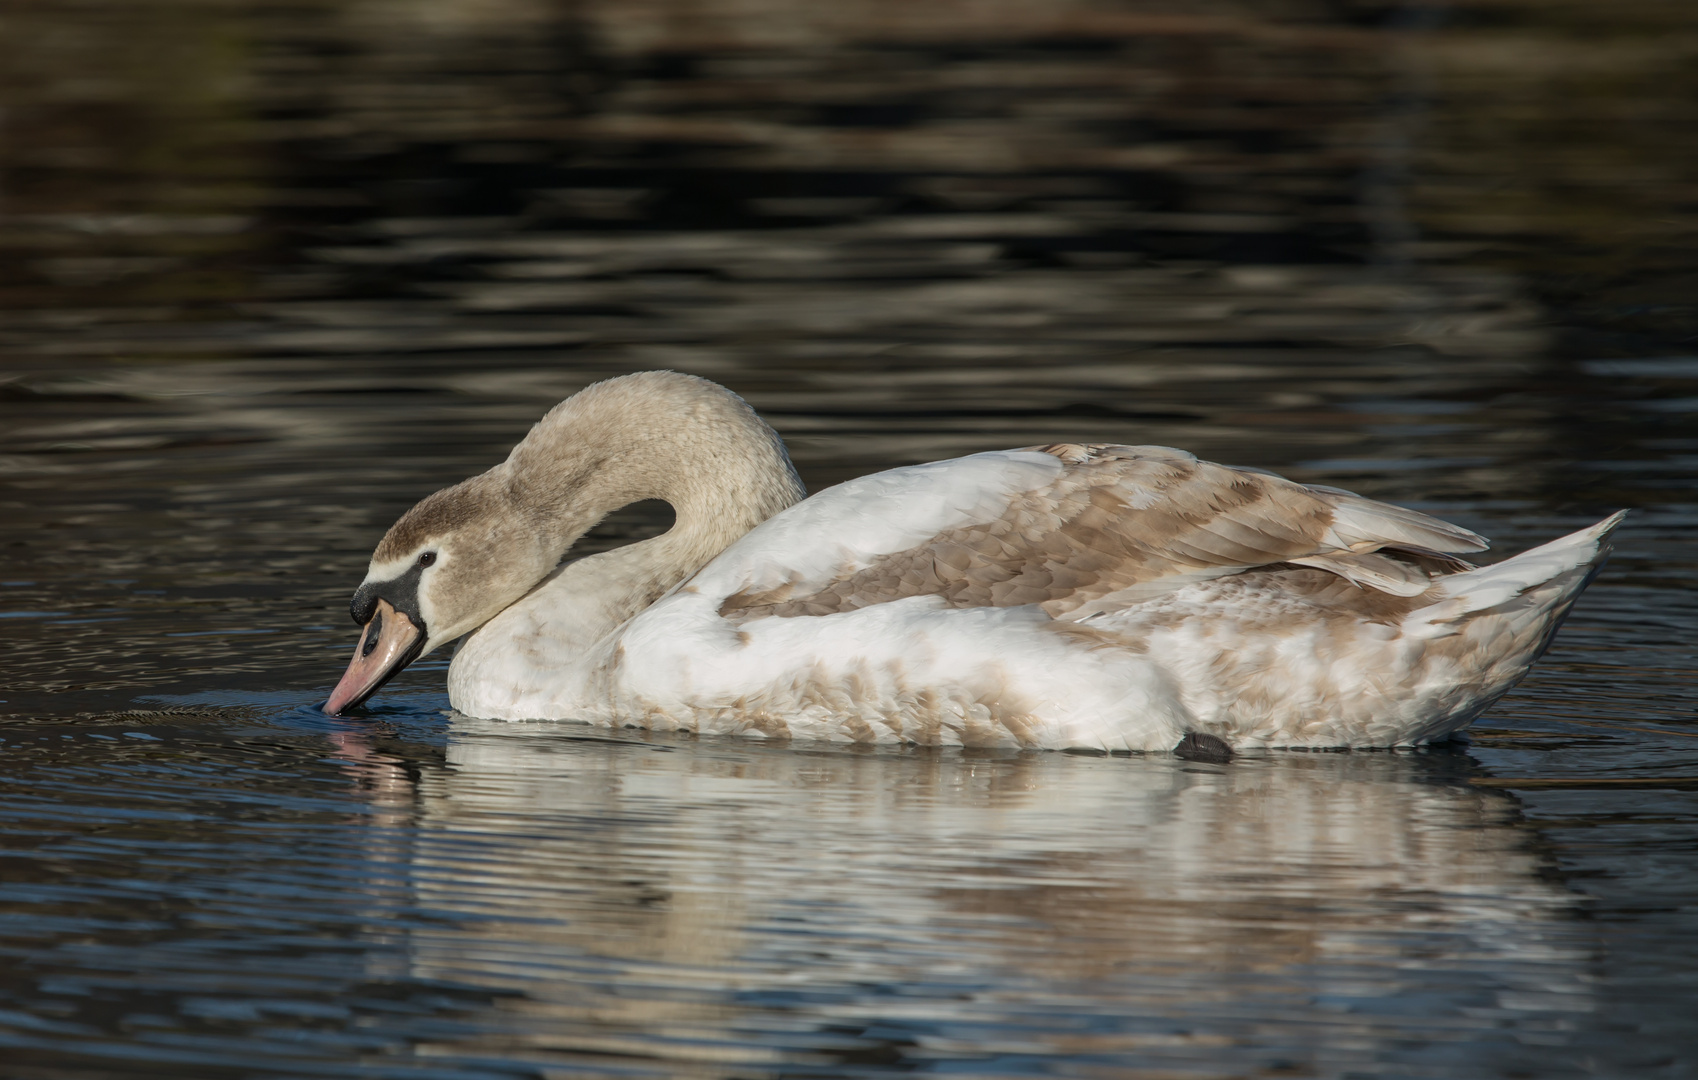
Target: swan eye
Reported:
[(427, 558)]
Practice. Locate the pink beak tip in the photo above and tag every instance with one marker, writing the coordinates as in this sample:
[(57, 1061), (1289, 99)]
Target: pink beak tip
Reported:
[(371, 668)]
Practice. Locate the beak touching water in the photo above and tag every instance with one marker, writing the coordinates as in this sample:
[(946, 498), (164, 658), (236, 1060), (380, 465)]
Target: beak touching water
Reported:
[(389, 643)]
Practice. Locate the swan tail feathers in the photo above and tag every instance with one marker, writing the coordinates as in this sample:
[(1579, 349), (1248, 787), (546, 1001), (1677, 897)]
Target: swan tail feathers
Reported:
[(1529, 595)]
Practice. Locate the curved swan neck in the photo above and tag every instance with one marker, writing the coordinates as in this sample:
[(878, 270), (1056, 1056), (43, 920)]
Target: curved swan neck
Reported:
[(652, 435)]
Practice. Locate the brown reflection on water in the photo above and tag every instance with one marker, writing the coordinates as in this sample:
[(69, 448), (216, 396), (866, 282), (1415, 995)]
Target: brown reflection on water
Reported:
[(170, 158), (678, 901)]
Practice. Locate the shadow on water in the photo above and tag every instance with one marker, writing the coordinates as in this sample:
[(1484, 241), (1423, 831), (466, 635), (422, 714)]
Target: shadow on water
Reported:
[(270, 272)]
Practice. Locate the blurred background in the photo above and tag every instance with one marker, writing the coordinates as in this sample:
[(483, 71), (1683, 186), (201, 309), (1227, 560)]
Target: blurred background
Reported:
[(273, 270)]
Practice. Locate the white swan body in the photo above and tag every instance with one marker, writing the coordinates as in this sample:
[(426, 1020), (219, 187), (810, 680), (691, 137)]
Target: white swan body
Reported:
[(1103, 597)]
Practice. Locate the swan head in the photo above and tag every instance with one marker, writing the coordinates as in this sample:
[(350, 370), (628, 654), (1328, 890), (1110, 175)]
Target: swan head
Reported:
[(457, 559), (449, 565)]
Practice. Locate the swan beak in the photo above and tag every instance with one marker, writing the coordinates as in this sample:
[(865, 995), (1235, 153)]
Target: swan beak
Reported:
[(389, 643)]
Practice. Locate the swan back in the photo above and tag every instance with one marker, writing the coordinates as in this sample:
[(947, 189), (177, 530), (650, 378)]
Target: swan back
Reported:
[(1075, 530)]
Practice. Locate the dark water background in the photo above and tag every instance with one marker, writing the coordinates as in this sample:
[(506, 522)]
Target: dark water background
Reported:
[(272, 271)]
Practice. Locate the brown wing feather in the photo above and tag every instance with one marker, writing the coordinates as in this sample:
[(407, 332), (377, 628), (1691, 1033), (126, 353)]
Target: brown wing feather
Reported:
[(1121, 523)]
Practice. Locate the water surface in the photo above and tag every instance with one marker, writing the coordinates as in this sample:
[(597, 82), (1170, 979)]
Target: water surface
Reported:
[(273, 271)]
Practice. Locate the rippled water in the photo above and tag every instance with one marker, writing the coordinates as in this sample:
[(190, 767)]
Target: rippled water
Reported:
[(272, 271)]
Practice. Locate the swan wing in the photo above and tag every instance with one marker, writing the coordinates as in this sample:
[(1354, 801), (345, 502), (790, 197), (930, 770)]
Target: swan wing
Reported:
[(1074, 529)]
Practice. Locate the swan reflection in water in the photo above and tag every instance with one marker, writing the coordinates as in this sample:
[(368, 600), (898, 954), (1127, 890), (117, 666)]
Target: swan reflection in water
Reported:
[(712, 906)]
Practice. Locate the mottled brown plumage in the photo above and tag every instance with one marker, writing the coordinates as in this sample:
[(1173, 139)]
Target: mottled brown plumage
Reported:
[(1124, 523), (441, 514)]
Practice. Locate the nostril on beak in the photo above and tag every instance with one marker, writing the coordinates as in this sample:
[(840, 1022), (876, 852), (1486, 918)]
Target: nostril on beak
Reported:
[(373, 632)]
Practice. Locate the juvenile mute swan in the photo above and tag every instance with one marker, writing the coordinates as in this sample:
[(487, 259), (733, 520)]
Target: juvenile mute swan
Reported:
[(1110, 597)]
